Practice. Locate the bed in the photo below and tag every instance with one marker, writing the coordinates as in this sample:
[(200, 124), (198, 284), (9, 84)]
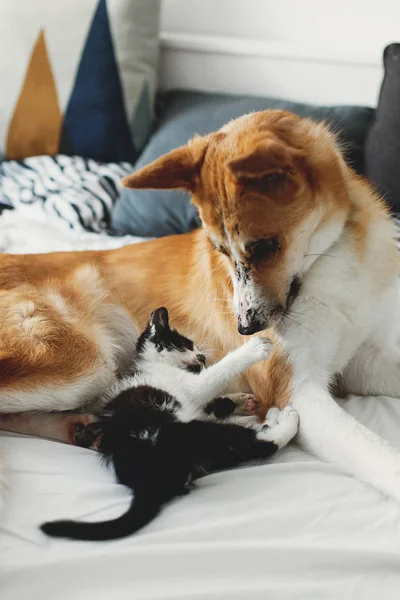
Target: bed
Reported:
[(293, 528)]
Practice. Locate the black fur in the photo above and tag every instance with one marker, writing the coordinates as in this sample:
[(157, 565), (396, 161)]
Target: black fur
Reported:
[(262, 249), (153, 453), (220, 407), (161, 465), (163, 337)]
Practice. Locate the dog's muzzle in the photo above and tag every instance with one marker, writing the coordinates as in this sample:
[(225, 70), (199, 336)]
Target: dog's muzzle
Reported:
[(254, 320), (251, 325), (257, 320)]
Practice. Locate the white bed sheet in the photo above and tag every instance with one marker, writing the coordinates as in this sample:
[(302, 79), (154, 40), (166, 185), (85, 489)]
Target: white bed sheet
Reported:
[(294, 528)]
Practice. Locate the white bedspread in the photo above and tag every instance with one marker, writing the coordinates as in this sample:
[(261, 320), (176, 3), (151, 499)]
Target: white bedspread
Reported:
[(294, 528), (29, 230)]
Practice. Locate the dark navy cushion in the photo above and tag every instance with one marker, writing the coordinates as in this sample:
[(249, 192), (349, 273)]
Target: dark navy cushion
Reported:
[(159, 213)]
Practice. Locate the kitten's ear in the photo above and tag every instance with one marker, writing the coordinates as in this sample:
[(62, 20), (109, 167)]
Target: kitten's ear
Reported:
[(159, 320)]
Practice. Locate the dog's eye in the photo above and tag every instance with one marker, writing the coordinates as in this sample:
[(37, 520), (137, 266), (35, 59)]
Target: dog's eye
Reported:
[(263, 249), (219, 248), (269, 185)]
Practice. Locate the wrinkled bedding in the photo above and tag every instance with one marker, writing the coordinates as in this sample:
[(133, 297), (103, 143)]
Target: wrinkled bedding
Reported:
[(29, 230), (59, 203), (77, 192), (292, 529)]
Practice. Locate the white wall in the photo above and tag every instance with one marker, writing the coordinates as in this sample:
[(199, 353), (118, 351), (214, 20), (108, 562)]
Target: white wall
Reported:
[(353, 22), (327, 51)]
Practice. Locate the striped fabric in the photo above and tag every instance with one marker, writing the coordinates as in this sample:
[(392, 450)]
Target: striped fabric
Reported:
[(73, 190)]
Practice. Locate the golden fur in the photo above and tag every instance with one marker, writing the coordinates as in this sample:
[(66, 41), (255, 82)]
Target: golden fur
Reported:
[(266, 174)]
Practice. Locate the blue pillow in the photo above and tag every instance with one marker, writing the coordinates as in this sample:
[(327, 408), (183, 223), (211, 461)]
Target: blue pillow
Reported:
[(155, 213)]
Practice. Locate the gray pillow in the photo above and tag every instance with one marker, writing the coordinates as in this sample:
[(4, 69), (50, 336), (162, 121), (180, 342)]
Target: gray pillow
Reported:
[(155, 213), (382, 148)]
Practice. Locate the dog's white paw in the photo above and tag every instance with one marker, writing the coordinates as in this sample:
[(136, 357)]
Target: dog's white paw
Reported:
[(280, 426), (260, 347)]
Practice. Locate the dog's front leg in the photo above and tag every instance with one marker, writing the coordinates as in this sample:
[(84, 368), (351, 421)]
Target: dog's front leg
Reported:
[(334, 436), (300, 375)]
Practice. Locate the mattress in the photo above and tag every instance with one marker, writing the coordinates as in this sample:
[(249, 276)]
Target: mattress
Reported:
[(292, 528)]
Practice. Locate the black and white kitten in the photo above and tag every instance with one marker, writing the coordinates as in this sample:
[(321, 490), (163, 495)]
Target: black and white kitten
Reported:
[(160, 427)]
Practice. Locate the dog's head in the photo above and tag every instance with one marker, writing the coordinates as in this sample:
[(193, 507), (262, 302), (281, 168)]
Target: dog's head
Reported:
[(271, 191)]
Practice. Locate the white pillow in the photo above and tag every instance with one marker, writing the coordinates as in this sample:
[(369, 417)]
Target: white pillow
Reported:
[(77, 77)]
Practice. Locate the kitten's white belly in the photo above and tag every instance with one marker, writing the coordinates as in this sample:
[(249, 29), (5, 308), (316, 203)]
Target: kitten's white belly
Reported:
[(171, 380)]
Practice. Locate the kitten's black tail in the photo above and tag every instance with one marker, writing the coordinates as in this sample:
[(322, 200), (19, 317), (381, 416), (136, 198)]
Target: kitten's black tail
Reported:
[(139, 514)]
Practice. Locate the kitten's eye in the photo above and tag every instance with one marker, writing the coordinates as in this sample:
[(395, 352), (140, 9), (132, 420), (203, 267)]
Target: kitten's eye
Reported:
[(263, 249)]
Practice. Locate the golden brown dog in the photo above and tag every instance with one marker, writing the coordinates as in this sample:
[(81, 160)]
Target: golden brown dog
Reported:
[(292, 240)]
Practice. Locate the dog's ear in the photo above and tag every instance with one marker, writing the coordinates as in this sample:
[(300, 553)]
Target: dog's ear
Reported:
[(269, 157), (177, 169)]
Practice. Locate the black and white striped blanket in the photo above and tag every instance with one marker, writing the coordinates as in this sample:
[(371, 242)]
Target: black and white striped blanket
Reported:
[(59, 203), (79, 192)]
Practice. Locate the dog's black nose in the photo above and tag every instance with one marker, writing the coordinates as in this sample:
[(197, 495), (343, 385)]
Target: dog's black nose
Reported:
[(253, 327)]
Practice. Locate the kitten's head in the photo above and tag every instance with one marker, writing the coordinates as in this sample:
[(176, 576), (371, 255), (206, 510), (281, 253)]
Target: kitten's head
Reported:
[(160, 343)]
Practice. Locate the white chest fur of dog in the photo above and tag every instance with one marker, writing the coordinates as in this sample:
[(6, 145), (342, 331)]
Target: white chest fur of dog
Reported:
[(362, 304), (345, 321)]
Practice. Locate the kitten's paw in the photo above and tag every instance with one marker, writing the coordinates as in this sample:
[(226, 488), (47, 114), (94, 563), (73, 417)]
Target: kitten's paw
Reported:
[(80, 432), (280, 427), (220, 408), (245, 404), (260, 347), (232, 404), (272, 417)]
